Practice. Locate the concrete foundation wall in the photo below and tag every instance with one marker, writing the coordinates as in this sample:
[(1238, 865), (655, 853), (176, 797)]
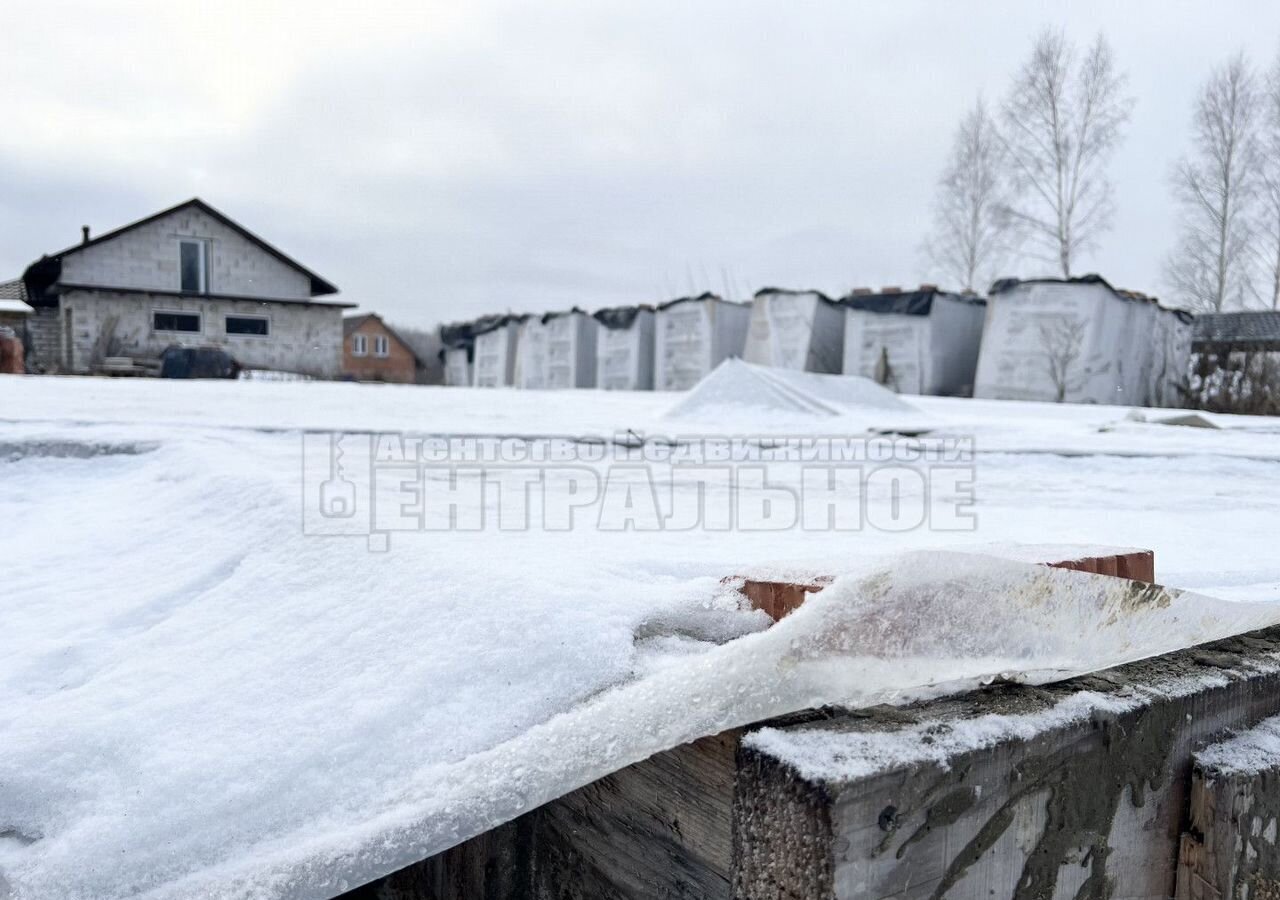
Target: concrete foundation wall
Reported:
[(302, 338), (146, 258), (1085, 806)]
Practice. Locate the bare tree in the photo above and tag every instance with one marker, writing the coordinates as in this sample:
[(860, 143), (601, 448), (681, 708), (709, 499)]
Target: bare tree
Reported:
[(1063, 118), (970, 236), (1269, 215), (1215, 188), (1062, 337)]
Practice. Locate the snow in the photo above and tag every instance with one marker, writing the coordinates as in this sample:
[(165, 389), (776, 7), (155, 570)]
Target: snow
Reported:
[(1247, 753), (197, 699), (8, 305), (745, 393)]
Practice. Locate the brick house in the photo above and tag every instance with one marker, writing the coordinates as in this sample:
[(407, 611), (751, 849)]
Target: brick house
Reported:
[(372, 351), (13, 306), (188, 275)]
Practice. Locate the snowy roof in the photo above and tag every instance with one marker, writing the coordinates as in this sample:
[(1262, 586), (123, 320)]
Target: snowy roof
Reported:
[(48, 267), (560, 313), (1244, 330), (620, 317)]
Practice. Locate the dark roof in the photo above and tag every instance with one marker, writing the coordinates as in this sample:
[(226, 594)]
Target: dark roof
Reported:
[(319, 285), (904, 303), (13, 290), (547, 317), (706, 295), (351, 323), (1243, 330), (1008, 284), (617, 318), (489, 323)]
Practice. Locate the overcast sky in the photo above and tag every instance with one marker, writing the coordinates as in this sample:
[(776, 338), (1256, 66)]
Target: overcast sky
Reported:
[(441, 160)]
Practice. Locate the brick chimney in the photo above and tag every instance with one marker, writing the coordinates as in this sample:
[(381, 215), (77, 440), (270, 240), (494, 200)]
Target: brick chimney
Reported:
[(84, 234)]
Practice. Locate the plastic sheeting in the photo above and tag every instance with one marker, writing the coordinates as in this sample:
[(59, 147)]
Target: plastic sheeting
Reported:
[(624, 349), (693, 336), (914, 626), (1081, 341), (795, 330), (915, 343), (495, 354), (557, 351)]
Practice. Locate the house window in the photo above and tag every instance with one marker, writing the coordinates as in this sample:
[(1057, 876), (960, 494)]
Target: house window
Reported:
[(359, 345), (175, 321), (381, 346), (193, 257), (254, 325)]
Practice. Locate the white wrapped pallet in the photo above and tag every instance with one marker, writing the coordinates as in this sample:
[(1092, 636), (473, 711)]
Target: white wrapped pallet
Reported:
[(693, 335), (457, 367), (916, 342), (624, 348), (495, 351), (1080, 340), (458, 340), (557, 350), (795, 330)]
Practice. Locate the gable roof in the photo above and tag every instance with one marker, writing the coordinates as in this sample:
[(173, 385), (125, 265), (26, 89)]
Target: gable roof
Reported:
[(319, 286), (351, 323), (1245, 330)]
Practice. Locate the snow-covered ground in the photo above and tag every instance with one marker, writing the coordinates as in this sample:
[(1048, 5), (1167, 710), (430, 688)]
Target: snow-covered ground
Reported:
[(198, 698)]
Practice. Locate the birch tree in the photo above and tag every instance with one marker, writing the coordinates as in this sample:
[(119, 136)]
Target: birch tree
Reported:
[(1269, 201), (970, 236), (1064, 118), (1216, 190)]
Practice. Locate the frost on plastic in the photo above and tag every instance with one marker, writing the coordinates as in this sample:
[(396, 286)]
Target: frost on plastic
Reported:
[(911, 626)]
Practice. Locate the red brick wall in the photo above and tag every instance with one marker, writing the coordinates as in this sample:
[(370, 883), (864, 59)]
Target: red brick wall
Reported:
[(398, 366)]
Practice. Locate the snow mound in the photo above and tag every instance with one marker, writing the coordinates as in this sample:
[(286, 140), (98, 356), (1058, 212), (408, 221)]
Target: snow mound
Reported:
[(742, 390)]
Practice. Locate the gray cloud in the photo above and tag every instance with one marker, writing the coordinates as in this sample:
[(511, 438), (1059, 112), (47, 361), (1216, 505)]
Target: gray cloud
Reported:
[(439, 162)]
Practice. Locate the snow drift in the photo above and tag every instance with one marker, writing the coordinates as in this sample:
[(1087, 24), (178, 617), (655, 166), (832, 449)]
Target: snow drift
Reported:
[(911, 626), (196, 699)]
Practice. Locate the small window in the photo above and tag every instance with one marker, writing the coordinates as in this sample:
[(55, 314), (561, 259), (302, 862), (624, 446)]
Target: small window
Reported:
[(359, 345), (193, 256), (176, 321), (381, 346), (255, 325)]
